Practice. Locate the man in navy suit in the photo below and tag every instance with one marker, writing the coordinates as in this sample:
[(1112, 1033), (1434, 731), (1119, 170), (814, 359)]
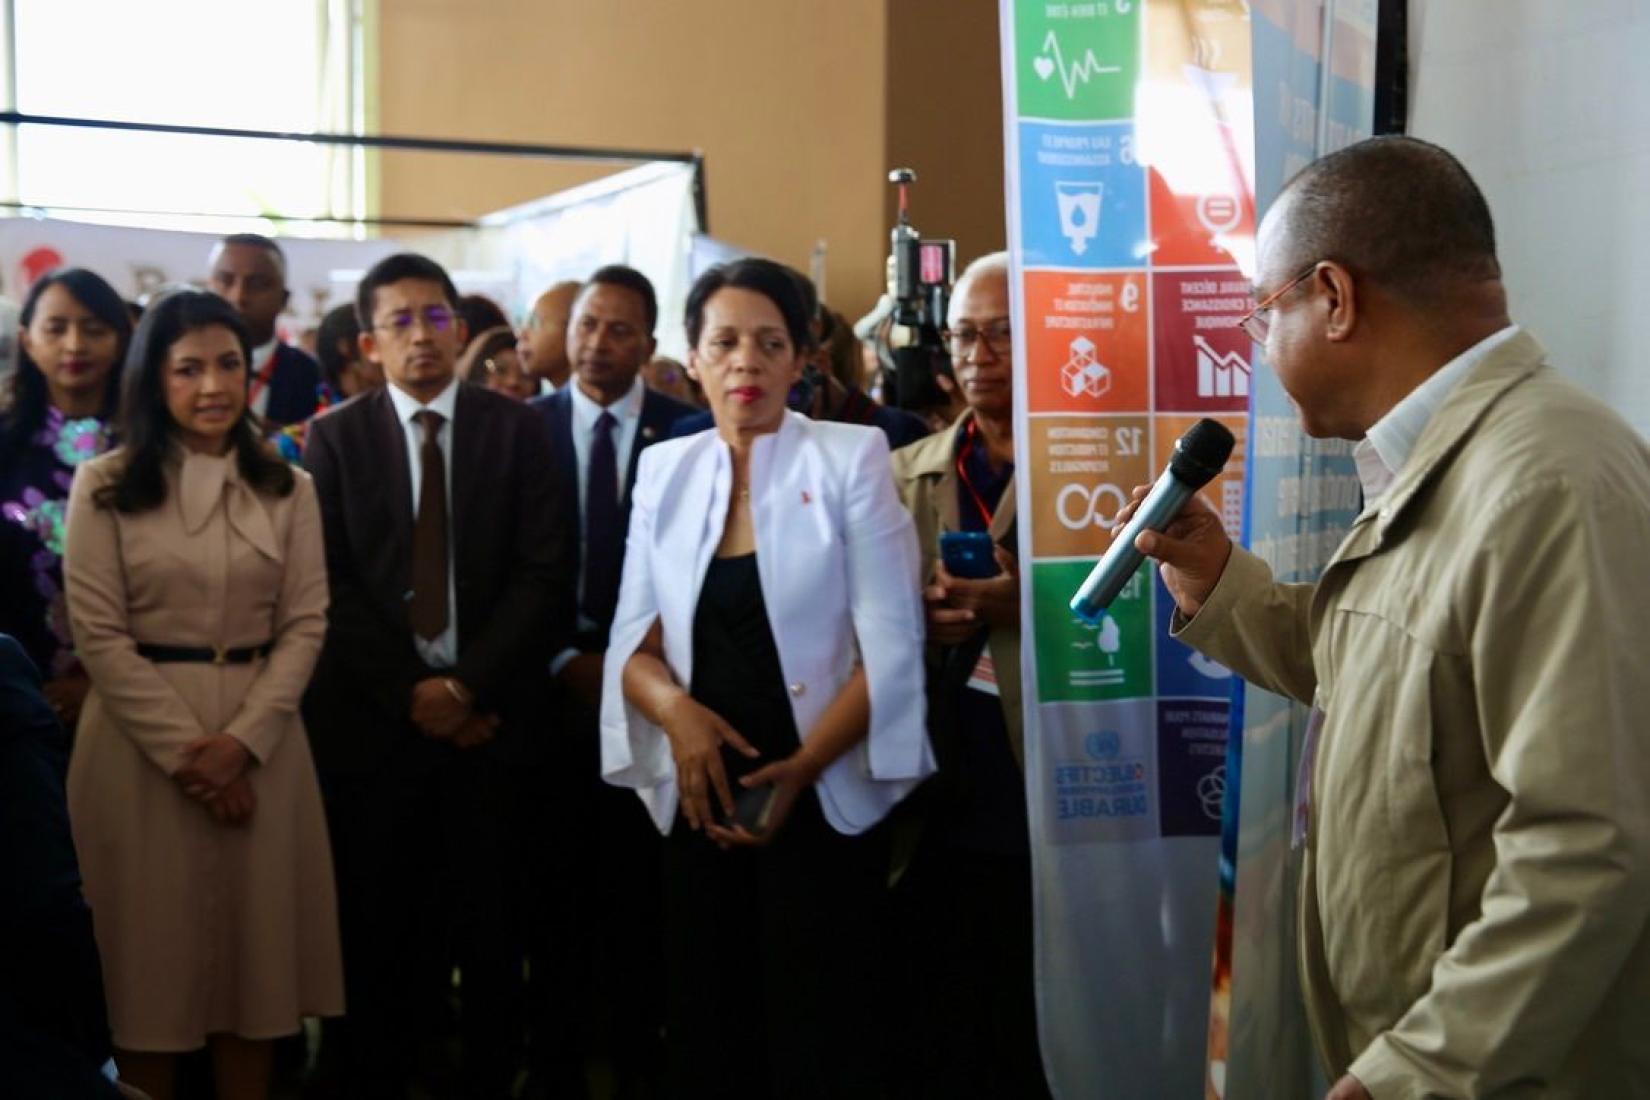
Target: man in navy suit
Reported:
[(599, 424), (249, 271)]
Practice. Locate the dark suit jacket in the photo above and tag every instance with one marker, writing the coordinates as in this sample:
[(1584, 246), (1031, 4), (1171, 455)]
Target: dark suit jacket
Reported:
[(294, 388), (899, 426), (659, 413), (511, 562), (54, 1031)]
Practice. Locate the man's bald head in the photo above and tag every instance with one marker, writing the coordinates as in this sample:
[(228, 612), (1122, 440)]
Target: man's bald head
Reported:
[(991, 267), (543, 341), (1398, 211)]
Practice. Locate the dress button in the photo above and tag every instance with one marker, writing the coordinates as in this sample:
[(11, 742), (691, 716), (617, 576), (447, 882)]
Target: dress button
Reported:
[(798, 688)]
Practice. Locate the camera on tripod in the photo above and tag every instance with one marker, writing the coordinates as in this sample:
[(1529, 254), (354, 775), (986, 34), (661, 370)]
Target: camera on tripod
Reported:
[(905, 326)]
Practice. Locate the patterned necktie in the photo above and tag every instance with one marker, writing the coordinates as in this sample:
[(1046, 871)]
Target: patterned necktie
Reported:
[(429, 571), (603, 525)]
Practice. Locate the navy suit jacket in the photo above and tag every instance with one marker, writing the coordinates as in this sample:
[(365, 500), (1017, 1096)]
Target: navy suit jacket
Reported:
[(659, 413), (294, 387), (54, 1031), (899, 426)]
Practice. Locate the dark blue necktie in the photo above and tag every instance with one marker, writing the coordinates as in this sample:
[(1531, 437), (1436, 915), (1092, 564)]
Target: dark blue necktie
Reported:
[(603, 525)]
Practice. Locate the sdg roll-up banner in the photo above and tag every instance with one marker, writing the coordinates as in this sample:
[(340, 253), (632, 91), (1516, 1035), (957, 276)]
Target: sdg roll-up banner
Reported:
[(1301, 497), (1130, 166), (1137, 135)]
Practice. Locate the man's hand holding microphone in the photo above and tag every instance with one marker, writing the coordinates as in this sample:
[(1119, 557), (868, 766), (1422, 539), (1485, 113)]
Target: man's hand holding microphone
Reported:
[(1167, 521), (1191, 551)]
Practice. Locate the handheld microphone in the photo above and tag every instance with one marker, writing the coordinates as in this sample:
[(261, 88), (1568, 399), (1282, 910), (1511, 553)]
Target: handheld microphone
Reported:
[(1199, 455)]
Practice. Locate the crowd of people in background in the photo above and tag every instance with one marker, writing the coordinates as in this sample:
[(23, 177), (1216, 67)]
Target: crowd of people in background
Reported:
[(360, 663), (555, 721)]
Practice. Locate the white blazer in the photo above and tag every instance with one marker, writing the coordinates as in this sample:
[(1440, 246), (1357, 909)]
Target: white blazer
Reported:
[(837, 557)]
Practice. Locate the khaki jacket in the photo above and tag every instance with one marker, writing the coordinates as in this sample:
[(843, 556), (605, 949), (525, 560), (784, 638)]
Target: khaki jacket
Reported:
[(1476, 876), (926, 474)]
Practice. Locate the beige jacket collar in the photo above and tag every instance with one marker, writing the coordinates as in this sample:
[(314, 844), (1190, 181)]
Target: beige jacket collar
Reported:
[(1508, 364), (936, 456), (205, 480)]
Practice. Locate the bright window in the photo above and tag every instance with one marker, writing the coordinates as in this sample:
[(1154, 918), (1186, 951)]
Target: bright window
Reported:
[(282, 65)]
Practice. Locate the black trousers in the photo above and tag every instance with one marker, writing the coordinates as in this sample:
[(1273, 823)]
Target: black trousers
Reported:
[(429, 875), (595, 935), (775, 957), (965, 926)]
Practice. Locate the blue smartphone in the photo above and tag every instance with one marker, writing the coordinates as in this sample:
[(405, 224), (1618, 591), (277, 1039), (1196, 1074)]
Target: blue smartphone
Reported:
[(968, 554)]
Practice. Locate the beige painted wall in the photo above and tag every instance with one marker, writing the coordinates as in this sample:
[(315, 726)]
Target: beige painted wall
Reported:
[(945, 119), (800, 107)]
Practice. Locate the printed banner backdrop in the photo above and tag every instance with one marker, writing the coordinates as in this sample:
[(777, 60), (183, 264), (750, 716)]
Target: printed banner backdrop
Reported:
[(1129, 153), (1301, 496)]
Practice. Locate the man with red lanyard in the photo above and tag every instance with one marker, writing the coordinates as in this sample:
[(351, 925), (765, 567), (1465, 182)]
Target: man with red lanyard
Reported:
[(965, 896), (249, 271)]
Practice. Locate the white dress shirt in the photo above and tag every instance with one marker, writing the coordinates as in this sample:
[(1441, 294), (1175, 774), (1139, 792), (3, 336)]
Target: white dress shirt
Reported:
[(442, 651), (261, 356), (1386, 447)]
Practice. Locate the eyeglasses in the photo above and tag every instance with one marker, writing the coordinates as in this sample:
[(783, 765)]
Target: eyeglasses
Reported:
[(1258, 321), (998, 336), (402, 321)]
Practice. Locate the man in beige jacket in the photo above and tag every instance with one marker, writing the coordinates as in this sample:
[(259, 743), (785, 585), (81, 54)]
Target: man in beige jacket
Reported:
[(966, 895), (1476, 825)]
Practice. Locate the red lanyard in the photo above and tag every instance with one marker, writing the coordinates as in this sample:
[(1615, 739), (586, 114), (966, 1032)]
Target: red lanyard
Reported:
[(962, 471), (261, 378)]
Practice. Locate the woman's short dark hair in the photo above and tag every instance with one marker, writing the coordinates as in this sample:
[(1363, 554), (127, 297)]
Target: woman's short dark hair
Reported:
[(391, 270), (24, 409), (339, 324), (481, 313), (774, 281), (482, 348), (145, 422)]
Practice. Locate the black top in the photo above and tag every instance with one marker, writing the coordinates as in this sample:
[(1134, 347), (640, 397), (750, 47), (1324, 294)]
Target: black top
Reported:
[(736, 670)]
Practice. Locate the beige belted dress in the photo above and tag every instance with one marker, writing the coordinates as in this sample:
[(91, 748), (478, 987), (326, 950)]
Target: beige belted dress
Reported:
[(203, 928)]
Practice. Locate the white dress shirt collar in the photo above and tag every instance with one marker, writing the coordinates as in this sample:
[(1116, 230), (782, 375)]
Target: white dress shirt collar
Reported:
[(407, 406), (263, 353), (586, 411), (1384, 450), (263, 357)]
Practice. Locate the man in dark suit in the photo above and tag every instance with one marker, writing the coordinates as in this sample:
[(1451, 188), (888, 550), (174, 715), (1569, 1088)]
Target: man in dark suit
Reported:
[(54, 1030), (249, 270), (449, 593), (598, 425)]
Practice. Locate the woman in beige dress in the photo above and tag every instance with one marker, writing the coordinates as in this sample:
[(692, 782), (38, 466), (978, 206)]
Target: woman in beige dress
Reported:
[(197, 594)]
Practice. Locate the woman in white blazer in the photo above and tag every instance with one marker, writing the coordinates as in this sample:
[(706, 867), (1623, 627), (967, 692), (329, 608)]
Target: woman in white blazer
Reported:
[(764, 695)]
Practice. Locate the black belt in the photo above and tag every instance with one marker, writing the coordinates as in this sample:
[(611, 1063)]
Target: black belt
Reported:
[(203, 654)]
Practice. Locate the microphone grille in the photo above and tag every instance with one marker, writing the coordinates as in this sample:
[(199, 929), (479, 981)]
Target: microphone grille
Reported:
[(1202, 452)]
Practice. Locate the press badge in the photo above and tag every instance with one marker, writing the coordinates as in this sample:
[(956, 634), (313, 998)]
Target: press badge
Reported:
[(984, 676)]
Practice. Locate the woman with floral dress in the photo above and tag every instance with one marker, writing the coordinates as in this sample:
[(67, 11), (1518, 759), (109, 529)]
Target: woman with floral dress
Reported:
[(56, 414)]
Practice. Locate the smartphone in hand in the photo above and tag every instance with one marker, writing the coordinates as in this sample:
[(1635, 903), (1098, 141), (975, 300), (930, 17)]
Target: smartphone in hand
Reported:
[(752, 809), (968, 554)]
